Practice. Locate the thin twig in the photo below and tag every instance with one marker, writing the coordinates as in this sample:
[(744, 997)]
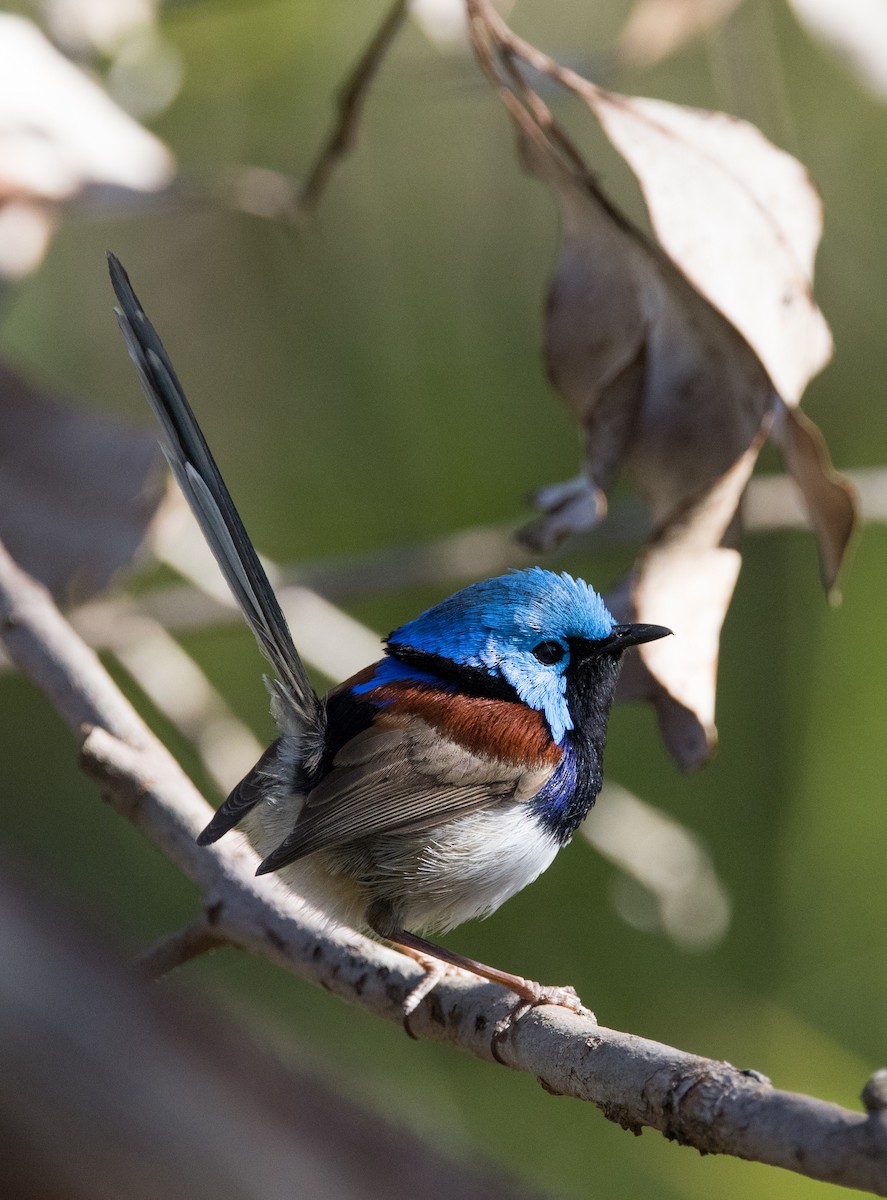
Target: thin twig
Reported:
[(491, 39), (507, 41), (178, 948), (352, 97), (636, 1082)]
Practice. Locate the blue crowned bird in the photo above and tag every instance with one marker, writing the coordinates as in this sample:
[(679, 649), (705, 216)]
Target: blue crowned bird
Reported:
[(439, 781)]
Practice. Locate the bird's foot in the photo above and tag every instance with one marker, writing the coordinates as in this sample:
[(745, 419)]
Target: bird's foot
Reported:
[(438, 962), (435, 970), (532, 995)]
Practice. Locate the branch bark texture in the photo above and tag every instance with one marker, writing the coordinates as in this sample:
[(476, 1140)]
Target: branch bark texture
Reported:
[(635, 1082)]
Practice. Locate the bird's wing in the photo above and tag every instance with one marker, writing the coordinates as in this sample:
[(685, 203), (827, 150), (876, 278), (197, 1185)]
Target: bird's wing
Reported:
[(399, 776), (258, 782), (201, 482)]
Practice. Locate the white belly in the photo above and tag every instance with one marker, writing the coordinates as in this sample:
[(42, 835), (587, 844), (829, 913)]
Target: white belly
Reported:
[(437, 878)]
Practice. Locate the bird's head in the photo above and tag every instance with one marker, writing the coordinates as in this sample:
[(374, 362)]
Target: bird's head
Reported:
[(532, 635)]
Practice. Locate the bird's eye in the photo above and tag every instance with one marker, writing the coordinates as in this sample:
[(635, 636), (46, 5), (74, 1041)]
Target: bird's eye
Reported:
[(549, 653)]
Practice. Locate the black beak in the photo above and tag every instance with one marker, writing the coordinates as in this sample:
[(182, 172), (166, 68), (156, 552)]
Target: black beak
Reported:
[(623, 636), (619, 639)]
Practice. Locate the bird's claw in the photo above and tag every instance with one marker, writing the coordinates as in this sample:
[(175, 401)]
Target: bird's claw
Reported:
[(536, 994), (529, 994), (435, 970)]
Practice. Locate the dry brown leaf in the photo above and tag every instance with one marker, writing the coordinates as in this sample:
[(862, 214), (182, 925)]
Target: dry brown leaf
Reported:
[(739, 217), (657, 28), (658, 379), (686, 577), (78, 491)]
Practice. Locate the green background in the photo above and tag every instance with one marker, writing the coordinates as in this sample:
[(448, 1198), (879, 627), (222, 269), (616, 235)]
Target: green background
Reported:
[(375, 379)]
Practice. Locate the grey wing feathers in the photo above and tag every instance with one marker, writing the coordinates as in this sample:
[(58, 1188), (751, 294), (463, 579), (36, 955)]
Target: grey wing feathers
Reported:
[(400, 790), (201, 482), (245, 796)]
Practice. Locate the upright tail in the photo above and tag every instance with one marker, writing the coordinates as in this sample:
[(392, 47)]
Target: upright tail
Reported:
[(201, 482)]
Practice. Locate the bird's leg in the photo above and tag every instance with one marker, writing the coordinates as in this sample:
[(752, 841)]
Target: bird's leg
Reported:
[(530, 994), (435, 970)]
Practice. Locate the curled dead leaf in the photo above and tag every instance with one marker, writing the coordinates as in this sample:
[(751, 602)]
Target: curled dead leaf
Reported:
[(830, 499), (686, 576)]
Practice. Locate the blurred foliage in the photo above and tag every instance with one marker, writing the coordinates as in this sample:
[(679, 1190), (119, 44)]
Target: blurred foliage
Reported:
[(375, 378)]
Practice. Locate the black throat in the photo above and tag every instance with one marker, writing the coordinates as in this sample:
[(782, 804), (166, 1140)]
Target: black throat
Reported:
[(590, 688), (566, 799)]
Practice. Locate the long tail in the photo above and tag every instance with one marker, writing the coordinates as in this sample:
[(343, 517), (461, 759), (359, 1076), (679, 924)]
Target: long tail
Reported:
[(201, 482)]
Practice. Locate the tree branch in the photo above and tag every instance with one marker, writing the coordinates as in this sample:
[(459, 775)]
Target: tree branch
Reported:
[(635, 1082)]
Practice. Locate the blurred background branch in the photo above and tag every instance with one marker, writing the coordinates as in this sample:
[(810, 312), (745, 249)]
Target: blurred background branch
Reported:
[(111, 1088)]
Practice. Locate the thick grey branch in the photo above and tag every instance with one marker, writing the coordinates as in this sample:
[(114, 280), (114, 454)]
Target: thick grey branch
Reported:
[(707, 1104)]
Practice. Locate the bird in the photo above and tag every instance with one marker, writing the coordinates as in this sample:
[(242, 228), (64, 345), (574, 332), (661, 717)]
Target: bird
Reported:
[(436, 783)]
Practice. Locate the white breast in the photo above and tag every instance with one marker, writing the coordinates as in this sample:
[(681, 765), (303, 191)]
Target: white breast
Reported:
[(471, 866)]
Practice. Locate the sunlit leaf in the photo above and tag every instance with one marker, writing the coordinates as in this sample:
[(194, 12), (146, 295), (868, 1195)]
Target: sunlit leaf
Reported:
[(740, 218), (60, 135)]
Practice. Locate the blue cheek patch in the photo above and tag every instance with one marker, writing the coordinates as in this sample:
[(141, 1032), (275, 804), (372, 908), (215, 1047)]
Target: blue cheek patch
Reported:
[(543, 689)]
